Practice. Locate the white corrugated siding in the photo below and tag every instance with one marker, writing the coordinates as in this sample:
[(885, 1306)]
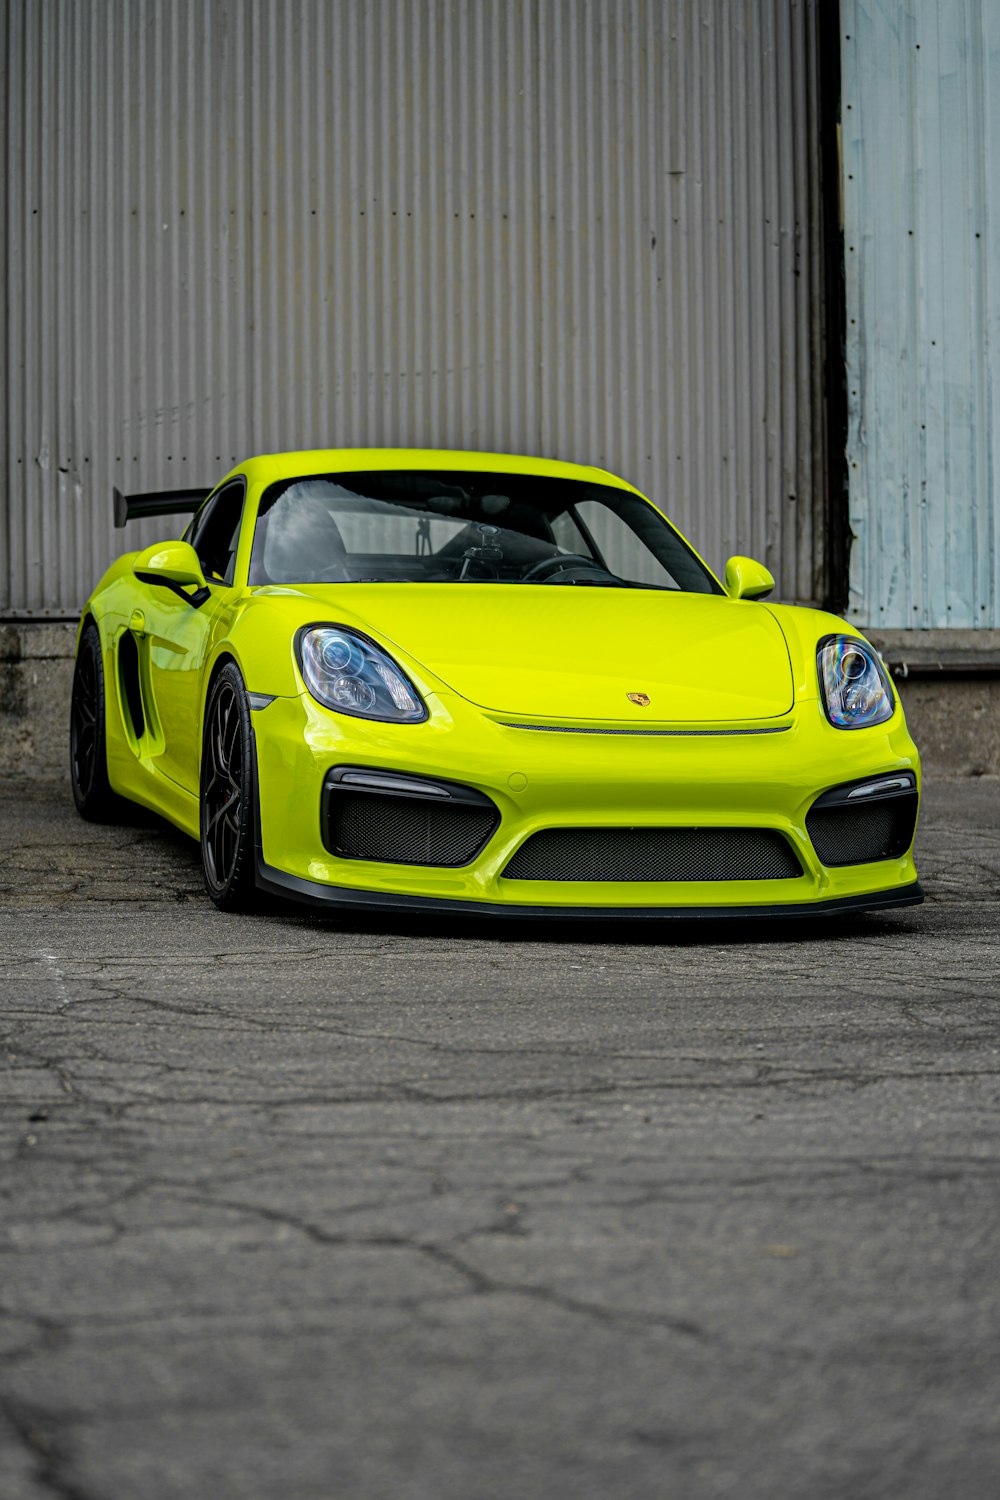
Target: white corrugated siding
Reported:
[(582, 228), (921, 160)]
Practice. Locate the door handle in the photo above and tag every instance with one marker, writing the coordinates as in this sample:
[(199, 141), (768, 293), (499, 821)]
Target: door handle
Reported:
[(137, 623)]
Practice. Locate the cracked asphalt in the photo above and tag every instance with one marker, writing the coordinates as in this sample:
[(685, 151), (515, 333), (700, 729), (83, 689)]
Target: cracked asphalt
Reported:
[(303, 1207)]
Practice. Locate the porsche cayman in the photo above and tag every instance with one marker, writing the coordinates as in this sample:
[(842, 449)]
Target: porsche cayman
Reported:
[(473, 682)]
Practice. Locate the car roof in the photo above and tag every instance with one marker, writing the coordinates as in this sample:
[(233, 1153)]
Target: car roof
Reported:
[(265, 468)]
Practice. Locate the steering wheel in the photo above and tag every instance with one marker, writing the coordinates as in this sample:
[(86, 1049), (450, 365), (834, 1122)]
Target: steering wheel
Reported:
[(569, 562)]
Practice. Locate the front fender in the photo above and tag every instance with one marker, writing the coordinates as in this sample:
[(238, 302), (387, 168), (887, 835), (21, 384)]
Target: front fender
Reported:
[(259, 636)]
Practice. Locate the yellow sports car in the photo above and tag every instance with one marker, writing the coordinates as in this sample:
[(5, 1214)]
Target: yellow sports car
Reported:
[(470, 682)]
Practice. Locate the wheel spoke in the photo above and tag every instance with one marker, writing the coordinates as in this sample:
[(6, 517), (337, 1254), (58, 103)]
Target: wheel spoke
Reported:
[(83, 719), (218, 751), (231, 736), (220, 812), (222, 791), (213, 780), (85, 758)]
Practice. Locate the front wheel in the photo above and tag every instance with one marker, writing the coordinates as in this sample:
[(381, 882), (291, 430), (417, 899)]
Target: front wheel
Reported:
[(227, 844), (88, 742)]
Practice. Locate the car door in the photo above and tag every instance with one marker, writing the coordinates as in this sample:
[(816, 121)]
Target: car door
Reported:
[(177, 636)]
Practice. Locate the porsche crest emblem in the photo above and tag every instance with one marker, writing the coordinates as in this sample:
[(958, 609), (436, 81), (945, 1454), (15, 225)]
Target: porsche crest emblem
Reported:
[(641, 700)]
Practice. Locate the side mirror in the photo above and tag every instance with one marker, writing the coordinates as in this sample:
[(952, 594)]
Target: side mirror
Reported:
[(746, 579), (175, 566)]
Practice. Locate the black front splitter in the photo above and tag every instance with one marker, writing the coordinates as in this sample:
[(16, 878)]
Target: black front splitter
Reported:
[(314, 893)]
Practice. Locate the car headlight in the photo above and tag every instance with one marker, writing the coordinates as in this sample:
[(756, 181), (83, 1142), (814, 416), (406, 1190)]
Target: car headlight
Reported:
[(856, 691), (345, 671)]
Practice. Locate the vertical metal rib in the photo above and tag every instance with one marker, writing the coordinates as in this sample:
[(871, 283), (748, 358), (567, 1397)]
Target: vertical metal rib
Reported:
[(585, 228)]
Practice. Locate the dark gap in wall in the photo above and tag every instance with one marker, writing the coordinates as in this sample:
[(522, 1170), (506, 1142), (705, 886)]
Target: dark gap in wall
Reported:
[(838, 531)]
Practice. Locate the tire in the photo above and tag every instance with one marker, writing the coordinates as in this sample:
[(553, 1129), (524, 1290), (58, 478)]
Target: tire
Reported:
[(227, 824), (88, 743)]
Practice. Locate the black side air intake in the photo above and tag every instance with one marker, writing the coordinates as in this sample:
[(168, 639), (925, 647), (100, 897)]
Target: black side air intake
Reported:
[(394, 818), (864, 821)]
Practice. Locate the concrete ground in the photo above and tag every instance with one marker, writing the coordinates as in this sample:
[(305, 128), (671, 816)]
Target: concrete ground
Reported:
[(298, 1207)]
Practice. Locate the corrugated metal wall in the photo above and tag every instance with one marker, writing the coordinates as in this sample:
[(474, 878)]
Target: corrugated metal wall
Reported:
[(583, 228), (921, 164)]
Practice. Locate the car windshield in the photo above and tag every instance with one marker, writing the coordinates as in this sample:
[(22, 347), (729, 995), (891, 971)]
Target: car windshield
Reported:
[(420, 527)]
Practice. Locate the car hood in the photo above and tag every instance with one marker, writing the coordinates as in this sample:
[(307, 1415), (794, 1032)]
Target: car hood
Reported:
[(563, 652)]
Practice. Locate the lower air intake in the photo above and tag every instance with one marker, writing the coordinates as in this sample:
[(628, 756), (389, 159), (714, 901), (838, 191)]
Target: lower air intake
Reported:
[(404, 820), (845, 835), (654, 854)]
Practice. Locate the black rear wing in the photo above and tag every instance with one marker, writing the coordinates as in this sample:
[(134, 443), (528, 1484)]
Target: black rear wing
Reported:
[(160, 503)]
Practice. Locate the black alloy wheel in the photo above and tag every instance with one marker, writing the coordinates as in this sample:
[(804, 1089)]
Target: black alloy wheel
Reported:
[(88, 747), (227, 852)]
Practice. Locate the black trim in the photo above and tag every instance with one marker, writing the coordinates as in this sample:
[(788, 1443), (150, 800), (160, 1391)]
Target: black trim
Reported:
[(157, 503), (403, 784), (642, 733), (192, 532), (196, 600), (313, 893), (841, 796), (131, 680)]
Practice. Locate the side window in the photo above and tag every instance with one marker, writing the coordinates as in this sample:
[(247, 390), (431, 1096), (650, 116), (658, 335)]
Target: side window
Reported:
[(216, 531)]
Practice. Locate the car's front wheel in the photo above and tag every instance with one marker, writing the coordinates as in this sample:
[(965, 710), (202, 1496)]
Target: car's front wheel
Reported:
[(88, 743), (227, 842)]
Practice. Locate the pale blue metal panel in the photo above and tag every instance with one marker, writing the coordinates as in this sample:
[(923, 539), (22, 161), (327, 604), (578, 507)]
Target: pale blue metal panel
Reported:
[(921, 178)]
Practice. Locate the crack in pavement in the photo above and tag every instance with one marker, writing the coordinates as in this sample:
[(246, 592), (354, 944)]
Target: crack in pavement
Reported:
[(446, 1211), (42, 1436)]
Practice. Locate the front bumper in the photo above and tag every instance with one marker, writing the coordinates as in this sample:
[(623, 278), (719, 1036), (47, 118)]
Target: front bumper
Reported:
[(546, 778)]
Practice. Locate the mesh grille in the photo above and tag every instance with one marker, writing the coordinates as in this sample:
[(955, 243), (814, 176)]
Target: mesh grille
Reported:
[(654, 854), (406, 830), (859, 835)]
